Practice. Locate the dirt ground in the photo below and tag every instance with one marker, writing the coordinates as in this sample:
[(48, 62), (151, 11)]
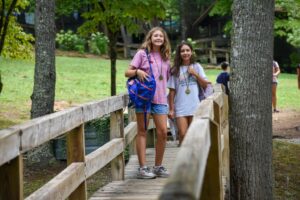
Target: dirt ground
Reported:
[(286, 124)]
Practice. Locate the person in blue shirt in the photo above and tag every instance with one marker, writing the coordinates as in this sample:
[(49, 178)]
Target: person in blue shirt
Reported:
[(223, 77)]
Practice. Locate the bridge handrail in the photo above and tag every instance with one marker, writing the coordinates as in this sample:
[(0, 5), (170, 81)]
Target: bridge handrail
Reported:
[(71, 182), (201, 169)]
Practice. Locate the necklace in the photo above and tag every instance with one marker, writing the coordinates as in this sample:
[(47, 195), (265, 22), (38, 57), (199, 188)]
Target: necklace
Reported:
[(187, 82), (160, 76)]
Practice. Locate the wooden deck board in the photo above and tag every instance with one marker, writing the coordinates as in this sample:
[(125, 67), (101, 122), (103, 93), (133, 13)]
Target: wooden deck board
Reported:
[(133, 188)]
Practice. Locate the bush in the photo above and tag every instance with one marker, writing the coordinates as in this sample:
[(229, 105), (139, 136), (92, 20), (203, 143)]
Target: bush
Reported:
[(295, 59), (98, 43), (69, 41)]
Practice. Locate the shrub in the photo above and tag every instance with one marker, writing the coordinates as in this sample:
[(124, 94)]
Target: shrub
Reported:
[(69, 41), (98, 43)]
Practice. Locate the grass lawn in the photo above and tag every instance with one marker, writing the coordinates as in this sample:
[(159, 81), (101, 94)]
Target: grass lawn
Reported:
[(85, 79), (78, 80)]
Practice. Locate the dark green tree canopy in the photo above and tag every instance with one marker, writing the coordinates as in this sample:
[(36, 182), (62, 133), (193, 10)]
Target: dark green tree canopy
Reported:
[(287, 18)]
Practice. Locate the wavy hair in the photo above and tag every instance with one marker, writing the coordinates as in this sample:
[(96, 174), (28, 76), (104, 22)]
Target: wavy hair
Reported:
[(178, 60), (165, 49)]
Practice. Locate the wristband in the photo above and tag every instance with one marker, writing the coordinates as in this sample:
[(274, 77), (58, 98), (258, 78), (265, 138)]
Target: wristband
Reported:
[(136, 71)]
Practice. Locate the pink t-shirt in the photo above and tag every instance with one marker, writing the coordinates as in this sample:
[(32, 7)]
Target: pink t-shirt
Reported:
[(159, 67)]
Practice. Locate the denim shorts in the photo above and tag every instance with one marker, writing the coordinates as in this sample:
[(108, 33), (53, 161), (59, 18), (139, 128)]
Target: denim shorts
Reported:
[(159, 109)]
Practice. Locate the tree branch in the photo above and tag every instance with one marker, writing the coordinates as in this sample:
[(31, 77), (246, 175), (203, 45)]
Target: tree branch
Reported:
[(11, 7), (2, 16), (204, 14)]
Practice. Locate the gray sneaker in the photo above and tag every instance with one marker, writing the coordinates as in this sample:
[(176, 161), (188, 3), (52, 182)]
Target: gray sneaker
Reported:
[(161, 171), (145, 173)]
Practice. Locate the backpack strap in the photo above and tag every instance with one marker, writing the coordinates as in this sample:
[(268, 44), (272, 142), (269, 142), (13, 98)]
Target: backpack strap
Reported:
[(145, 107), (148, 58)]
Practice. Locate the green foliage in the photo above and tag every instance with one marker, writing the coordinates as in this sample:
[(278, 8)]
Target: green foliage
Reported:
[(18, 44), (191, 42), (295, 59), (222, 8), (287, 20), (70, 41), (113, 14), (98, 43), (65, 7)]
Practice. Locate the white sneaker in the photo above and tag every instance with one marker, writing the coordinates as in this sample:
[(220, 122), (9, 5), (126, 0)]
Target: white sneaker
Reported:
[(161, 171), (145, 173)]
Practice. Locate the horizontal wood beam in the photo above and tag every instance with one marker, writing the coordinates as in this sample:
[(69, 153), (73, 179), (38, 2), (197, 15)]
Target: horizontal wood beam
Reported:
[(93, 110), (130, 132), (103, 155)]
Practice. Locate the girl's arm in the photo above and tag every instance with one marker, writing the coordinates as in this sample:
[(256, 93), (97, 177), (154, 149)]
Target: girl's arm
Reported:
[(171, 103), (277, 71), (201, 80), (132, 71)]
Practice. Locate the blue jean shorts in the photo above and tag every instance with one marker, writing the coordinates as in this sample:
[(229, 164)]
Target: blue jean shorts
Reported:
[(159, 109)]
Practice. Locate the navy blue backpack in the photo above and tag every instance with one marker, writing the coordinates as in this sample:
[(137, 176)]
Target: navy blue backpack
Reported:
[(141, 92)]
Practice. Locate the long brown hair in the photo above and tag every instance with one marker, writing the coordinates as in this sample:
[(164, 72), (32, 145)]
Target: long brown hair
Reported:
[(165, 49), (178, 60)]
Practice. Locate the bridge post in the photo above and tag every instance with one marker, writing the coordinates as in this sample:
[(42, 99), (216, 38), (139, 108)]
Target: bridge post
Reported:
[(76, 153), (132, 118), (11, 179), (117, 131), (212, 184)]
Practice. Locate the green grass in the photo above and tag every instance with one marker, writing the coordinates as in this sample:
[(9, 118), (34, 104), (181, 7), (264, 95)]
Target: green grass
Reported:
[(78, 80), (82, 80), (288, 94)]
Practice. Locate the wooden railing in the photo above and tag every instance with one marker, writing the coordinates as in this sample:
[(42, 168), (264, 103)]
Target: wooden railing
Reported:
[(201, 169), (208, 48), (71, 182)]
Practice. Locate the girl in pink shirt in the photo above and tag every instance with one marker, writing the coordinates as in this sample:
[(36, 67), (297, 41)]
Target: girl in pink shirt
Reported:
[(158, 46)]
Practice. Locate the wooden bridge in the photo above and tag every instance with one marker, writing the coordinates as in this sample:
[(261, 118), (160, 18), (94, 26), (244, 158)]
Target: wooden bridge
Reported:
[(199, 168)]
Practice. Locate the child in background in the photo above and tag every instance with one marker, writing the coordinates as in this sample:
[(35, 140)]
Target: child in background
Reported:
[(223, 77), (276, 72), (186, 74)]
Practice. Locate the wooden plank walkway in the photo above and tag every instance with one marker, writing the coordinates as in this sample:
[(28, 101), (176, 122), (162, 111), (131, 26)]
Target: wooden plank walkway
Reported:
[(132, 188)]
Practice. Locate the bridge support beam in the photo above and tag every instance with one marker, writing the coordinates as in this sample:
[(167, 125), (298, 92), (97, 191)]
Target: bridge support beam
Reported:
[(76, 153), (117, 131), (11, 179)]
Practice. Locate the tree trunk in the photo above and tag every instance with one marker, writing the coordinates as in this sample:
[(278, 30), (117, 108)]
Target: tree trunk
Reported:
[(250, 100), (44, 75), (126, 40), (112, 36), (183, 25)]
